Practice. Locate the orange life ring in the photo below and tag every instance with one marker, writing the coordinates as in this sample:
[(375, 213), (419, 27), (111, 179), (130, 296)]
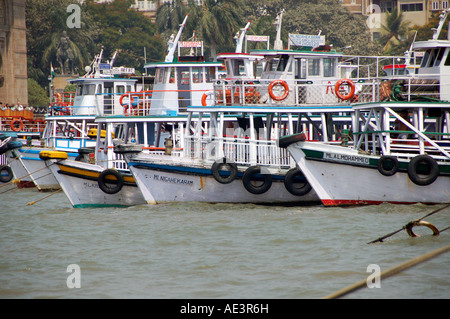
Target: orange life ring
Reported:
[(204, 97), (286, 90), (344, 96), (121, 98), (58, 98), (14, 128)]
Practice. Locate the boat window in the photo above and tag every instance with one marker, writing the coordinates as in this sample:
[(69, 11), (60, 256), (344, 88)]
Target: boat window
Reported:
[(271, 65), (120, 89), (313, 67), (129, 88), (439, 57), (197, 75), (99, 89), (447, 61), (160, 75), (432, 58), (79, 89), (282, 63), (210, 74), (329, 66), (238, 67), (185, 77), (172, 75), (425, 59), (300, 68), (89, 89)]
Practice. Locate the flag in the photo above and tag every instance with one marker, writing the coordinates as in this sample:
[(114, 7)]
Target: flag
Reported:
[(52, 71)]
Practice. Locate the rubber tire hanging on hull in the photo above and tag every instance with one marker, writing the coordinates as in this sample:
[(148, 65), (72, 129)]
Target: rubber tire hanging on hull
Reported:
[(105, 186), (5, 178), (215, 168), (386, 171), (289, 180), (425, 179), (256, 189)]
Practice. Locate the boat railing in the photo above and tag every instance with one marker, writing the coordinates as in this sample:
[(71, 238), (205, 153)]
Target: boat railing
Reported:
[(405, 144), (240, 150), (300, 92), (272, 92)]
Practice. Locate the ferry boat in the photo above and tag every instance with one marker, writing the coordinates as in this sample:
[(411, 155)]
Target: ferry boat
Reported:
[(404, 162), (68, 122), (232, 155), (102, 178)]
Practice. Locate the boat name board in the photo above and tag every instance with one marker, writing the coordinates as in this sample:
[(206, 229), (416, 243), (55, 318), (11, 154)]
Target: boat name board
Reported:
[(346, 158), (306, 40), (173, 180)]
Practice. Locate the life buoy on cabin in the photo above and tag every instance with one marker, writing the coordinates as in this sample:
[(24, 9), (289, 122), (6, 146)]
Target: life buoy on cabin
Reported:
[(6, 174), (16, 128), (58, 97), (410, 226), (286, 90), (252, 174), (387, 165), (338, 86), (205, 96), (110, 181), (423, 170), (130, 102), (224, 178), (291, 178)]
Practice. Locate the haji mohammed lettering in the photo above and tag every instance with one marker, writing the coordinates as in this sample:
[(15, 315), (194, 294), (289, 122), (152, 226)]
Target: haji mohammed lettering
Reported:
[(346, 158)]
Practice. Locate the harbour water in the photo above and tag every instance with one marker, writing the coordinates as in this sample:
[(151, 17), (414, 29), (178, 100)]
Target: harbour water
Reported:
[(194, 250)]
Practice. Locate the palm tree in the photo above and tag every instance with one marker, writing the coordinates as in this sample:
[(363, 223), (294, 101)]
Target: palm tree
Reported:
[(217, 21), (395, 29), (169, 16)]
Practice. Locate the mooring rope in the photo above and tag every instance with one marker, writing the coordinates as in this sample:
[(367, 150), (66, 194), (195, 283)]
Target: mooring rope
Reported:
[(410, 225), (34, 202), (390, 272)]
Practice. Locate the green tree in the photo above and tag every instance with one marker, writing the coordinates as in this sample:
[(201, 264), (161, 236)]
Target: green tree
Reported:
[(216, 22), (46, 20), (37, 96), (395, 32), (344, 30), (127, 31)]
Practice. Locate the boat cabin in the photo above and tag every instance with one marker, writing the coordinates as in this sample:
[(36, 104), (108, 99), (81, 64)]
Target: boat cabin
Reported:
[(181, 81)]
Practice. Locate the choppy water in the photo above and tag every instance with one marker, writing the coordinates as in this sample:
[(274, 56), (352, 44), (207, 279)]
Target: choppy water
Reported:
[(192, 250)]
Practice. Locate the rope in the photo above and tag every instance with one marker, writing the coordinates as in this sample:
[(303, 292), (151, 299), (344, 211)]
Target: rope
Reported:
[(390, 272), (34, 202), (380, 239)]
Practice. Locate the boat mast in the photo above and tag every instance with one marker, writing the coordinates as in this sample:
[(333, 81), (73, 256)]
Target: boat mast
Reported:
[(240, 38), (442, 18), (278, 45), (173, 42)]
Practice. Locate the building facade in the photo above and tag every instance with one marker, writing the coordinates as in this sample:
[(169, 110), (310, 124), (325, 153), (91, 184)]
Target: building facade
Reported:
[(13, 53), (416, 12)]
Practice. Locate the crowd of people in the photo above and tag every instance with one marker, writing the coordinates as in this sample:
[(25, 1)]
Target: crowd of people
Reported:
[(14, 107)]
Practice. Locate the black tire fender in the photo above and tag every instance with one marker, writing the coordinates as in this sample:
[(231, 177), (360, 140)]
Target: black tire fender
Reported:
[(6, 174), (388, 159), (256, 189), (110, 186), (423, 179), (289, 180), (217, 166)]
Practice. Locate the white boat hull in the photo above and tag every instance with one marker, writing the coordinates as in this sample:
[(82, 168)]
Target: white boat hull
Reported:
[(31, 170), (172, 180), (342, 176), (79, 182)]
